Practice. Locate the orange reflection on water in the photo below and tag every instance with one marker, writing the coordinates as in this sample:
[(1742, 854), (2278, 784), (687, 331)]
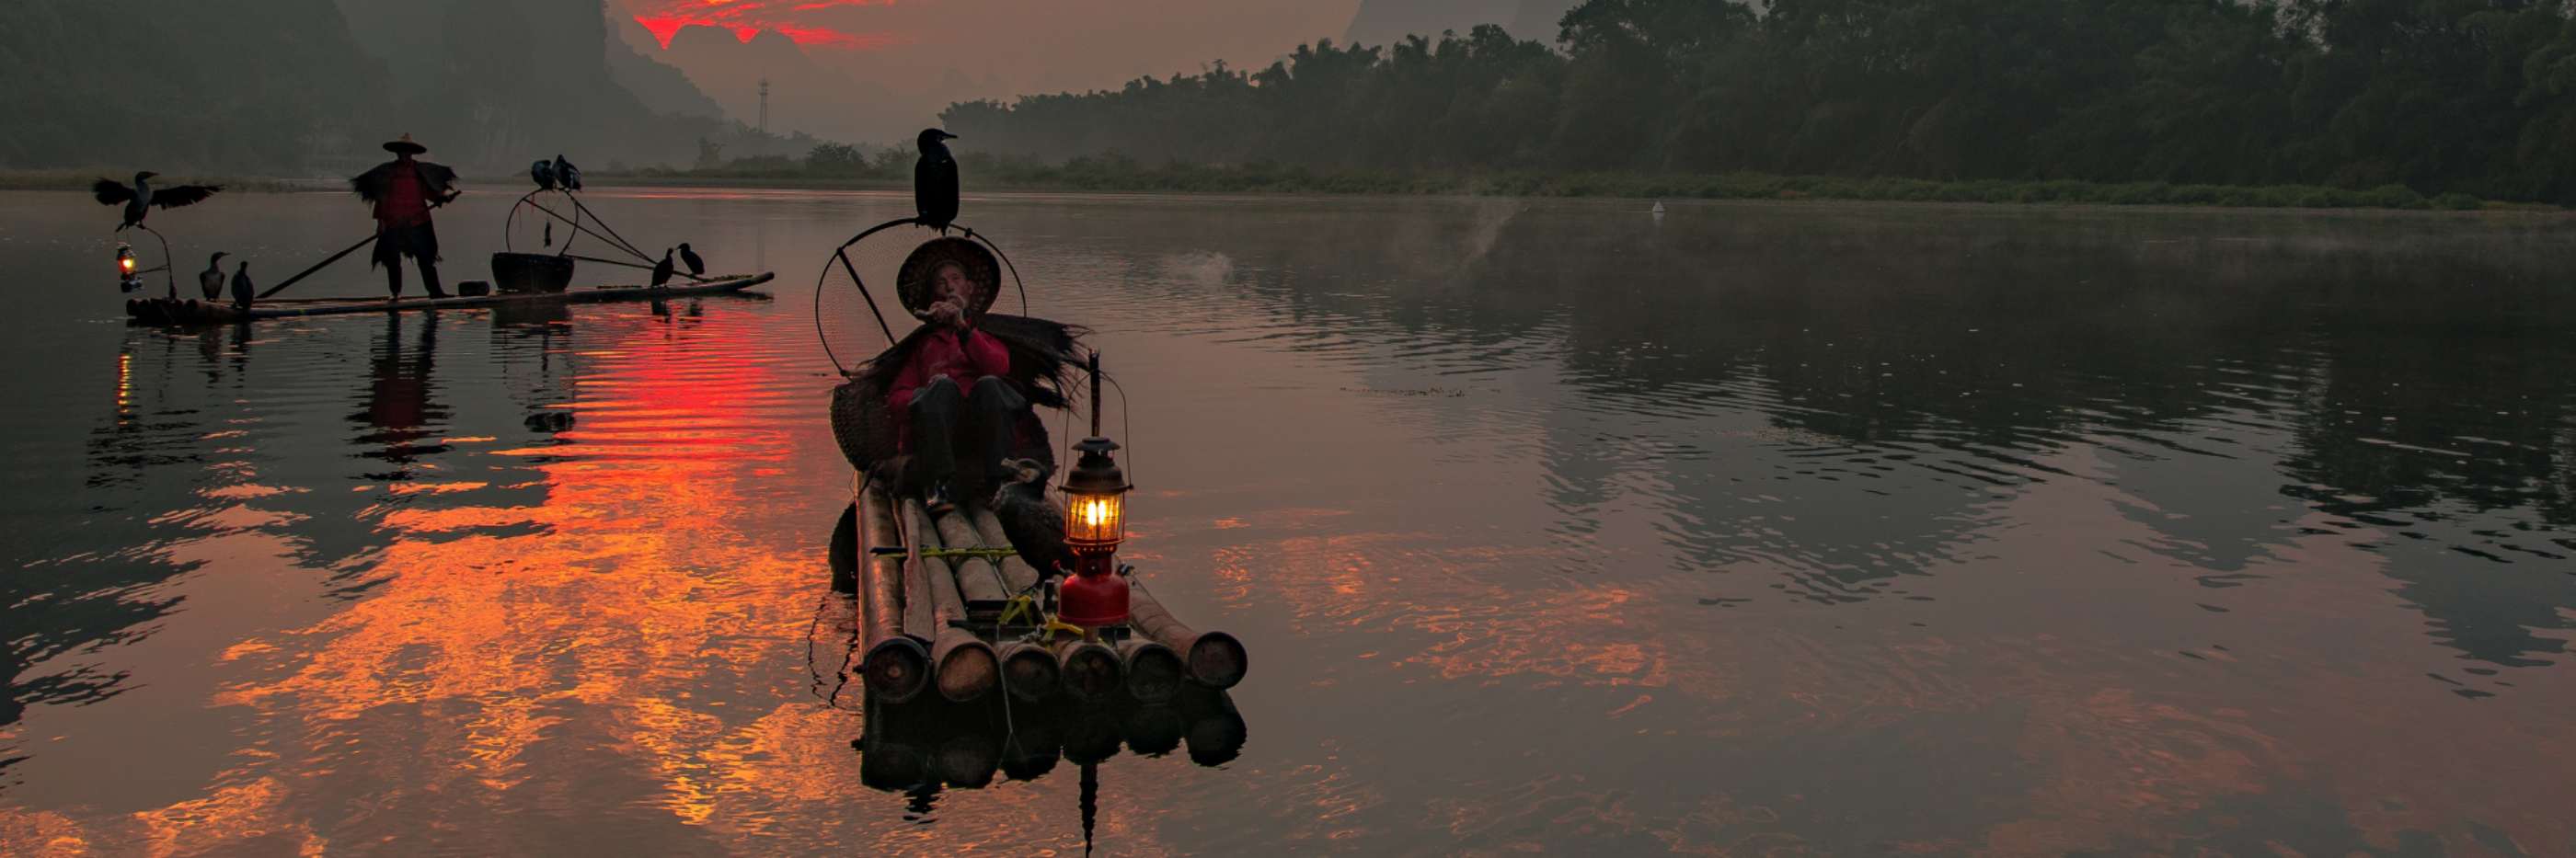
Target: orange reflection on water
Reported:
[(606, 613)]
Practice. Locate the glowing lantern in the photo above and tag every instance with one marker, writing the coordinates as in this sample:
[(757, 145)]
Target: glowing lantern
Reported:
[(1095, 512), (1095, 521), (127, 279)]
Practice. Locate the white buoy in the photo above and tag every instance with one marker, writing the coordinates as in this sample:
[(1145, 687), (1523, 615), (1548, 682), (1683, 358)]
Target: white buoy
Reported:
[(1659, 208)]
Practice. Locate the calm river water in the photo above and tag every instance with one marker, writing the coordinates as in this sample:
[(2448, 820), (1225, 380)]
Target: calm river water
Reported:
[(1551, 527)]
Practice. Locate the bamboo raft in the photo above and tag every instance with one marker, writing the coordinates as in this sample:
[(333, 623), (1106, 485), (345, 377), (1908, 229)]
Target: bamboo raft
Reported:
[(924, 742), (935, 619), (167, 311)]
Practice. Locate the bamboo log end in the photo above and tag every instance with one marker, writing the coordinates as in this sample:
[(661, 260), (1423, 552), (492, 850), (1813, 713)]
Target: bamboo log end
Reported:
[(1154, 671), (1029, 672), (1217, 660), (896, 669), (1091, 670), (967, 669)]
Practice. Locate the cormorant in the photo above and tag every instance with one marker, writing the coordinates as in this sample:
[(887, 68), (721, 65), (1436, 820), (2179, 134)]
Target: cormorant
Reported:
[(211, 280), (567, 176), (1032, 521), (544, 172), (934, 180), (141, 195), (243, 291), (662, 269), (697, 267)]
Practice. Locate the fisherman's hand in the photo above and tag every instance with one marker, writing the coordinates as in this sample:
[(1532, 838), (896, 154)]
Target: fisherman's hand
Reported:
[(948, 314)]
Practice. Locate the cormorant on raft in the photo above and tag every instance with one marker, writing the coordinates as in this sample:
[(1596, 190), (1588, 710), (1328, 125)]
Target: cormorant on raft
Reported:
[(243, 291), (544, 172), (697, 267), (934, 181), (211, 280), (567, 176), (137, 199), (662, 270), (1032, 521)]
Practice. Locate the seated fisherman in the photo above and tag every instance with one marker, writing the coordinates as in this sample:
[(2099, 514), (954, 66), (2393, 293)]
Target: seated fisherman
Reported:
[(955, 391)]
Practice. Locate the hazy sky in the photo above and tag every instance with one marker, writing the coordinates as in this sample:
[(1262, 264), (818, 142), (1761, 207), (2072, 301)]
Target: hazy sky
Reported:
[(1023, 45)]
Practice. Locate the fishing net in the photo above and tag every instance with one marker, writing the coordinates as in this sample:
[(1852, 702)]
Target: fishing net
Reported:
[(557, 223), (542, 222)]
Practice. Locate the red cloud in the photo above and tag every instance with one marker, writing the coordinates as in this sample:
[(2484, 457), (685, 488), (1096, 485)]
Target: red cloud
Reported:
[(746, 18)]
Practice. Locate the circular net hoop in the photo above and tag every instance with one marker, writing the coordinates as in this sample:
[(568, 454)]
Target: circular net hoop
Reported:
[(875, 287), (529, 227)]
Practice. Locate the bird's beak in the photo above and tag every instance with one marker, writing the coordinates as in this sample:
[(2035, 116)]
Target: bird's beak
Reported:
[(148, 174), (947, 136)]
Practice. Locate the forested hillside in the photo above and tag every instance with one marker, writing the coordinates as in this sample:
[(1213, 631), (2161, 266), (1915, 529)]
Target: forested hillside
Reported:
[(2473, 96), (298, 86)]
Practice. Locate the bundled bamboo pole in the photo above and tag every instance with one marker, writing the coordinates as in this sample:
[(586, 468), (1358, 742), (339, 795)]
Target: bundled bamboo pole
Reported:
[(1090, 668), (1154, 672), (1015, 572), (964, 667), (975, 576), (1028, 671), (1214, 659), (897, 666)]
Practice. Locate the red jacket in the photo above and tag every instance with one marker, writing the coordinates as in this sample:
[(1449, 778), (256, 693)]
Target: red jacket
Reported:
[(405, 201), (940, 354)]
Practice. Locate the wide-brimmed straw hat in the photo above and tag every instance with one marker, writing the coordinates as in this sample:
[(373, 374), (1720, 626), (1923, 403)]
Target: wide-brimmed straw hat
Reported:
[(405, 145), (914, 281)]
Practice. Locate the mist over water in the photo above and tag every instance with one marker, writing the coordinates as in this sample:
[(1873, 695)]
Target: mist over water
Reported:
[(1550, 526)]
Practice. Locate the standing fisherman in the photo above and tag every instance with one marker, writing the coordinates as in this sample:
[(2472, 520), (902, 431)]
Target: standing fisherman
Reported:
[(403, 190)]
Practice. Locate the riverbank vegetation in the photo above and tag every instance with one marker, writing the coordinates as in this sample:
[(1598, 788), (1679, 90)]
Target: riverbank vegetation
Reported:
[(893, 169), (2271, 102)]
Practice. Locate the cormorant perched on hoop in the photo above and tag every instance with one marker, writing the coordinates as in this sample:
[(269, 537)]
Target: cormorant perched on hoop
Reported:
[(211, 280), (697, 267), (934, 181), (662, 270), (139, 198), (544, 172), (567, 176)]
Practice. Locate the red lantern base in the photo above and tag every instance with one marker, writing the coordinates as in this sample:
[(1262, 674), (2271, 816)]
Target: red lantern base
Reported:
[(1094, 596)]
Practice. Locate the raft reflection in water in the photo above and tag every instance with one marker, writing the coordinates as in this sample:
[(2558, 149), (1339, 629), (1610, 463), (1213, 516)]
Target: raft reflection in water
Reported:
[(928, 742)]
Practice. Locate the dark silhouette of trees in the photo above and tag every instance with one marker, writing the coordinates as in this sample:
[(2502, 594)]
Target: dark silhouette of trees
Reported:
[(2470, 96)]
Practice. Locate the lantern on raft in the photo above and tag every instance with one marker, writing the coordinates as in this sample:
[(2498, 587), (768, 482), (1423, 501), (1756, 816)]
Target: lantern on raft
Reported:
[(1095, 521), (127, 278)]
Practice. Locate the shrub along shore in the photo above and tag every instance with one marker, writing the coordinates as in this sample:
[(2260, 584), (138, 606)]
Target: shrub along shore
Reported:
[(1123, 175), (1111, 175)]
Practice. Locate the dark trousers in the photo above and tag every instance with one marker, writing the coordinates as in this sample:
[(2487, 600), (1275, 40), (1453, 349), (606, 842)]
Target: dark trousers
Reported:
[(977, 424), (428, 277), (418, 241)]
